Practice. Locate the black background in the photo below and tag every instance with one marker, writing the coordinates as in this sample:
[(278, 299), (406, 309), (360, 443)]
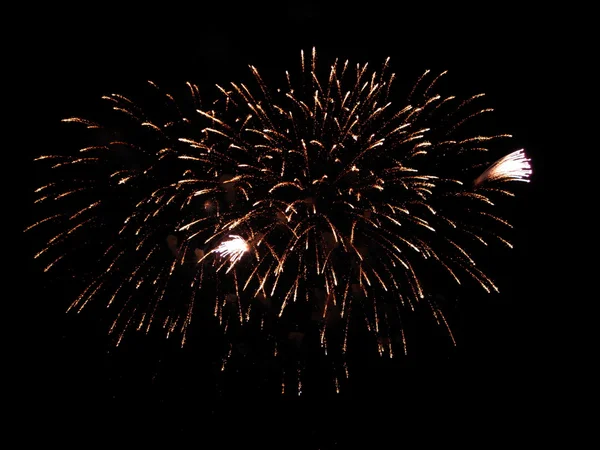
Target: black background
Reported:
[(510, 347)]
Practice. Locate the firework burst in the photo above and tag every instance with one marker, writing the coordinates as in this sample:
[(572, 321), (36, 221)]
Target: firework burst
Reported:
[(320, 192)]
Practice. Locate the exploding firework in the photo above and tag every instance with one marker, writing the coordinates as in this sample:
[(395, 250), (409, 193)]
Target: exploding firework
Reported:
[(512, 167), (320, 192), (234, 248)]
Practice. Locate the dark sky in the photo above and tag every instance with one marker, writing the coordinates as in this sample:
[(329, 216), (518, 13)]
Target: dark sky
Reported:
[(508, 343)]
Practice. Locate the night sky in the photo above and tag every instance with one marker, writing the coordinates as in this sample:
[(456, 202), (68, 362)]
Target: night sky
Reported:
[(81, 389)]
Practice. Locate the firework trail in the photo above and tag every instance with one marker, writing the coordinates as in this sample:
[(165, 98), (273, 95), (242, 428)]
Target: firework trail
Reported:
[(320, 192), (513, 167)]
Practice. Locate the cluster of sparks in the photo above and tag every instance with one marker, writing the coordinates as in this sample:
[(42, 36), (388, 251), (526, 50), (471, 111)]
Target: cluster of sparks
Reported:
[(233, 248), (512, 167), (320, 192)]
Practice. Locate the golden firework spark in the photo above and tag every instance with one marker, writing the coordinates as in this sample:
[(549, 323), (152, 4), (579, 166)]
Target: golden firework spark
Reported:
[(323, 191)]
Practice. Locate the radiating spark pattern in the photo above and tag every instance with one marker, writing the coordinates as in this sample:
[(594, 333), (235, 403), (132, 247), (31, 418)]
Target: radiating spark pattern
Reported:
[(322, 192), (512, 167), (233, 248)]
